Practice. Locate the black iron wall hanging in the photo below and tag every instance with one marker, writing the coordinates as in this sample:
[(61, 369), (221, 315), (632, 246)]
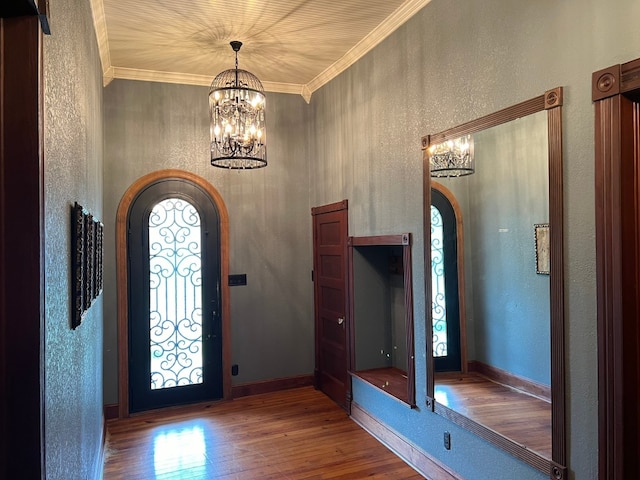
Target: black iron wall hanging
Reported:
[(87, 235)]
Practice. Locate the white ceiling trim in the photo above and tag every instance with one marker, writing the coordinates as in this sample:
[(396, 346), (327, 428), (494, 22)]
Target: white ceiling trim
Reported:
[(100, 26), (403, 13), (156, 76), (192, 79)]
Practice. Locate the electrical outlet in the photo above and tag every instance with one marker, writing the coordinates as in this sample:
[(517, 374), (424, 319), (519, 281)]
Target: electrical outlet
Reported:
[(447, 440)]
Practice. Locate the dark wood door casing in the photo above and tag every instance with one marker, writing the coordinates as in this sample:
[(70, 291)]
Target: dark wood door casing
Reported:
[(22, 288), (616, 96), (330, 235)]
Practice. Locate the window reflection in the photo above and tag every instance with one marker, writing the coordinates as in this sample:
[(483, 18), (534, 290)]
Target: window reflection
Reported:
[(441, 397), (438, 304), (179, 451)]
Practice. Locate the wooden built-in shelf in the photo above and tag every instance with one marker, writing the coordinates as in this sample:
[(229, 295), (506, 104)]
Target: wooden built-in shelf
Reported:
[(391, 381), (389, 257)]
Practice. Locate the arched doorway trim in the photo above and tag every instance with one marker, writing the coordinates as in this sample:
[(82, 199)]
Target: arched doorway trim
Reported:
[(121, 277)]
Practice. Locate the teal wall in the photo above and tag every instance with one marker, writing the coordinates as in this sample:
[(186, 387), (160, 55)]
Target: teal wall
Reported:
[(453, 62), (73, 124), (378, 309), (508, 194), (371, 310)]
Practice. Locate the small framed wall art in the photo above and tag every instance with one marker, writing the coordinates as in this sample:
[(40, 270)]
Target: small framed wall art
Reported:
[(542, 248)]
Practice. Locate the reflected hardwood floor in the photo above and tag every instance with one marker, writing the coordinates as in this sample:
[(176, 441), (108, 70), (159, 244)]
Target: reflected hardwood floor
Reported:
[(523, 418), (293, 434)]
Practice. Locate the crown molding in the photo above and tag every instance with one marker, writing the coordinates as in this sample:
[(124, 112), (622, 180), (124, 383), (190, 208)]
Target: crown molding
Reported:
[(163, 77), (107, 77), (277, 87), (364, 46), (100, 26), (191, 79), (306, 93)]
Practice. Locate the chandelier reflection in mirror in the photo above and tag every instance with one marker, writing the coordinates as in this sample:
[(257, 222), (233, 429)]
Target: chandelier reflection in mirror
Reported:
[(236, 109), (452, 158)]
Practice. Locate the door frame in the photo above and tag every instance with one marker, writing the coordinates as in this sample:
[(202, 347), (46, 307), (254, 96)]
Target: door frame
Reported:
[(122, 278), (22, 251), (615, 90)]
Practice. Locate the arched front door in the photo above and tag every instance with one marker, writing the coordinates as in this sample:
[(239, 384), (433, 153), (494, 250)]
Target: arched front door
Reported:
[(175, 324)]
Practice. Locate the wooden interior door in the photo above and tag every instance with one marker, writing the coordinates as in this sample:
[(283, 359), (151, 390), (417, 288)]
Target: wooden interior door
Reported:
[(330, 232)]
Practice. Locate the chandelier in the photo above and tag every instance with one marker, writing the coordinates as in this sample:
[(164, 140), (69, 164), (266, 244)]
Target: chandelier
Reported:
[(236, 109), (452, 158)]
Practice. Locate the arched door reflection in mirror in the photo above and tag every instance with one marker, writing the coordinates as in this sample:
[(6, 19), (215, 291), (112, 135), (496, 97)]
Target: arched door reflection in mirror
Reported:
[(445, 304)]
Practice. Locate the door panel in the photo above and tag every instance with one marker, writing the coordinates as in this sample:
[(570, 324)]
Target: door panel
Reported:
[(175, 330), (331, 266), (330, 234)]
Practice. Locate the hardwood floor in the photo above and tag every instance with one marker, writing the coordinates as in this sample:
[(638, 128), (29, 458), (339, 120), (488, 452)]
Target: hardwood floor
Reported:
[(523, 418), (293, 434)]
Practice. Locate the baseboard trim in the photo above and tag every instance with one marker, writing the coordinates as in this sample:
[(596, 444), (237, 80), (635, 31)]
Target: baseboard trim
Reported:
[(510, 380), (269, 386), (111, 411), (422, 462)]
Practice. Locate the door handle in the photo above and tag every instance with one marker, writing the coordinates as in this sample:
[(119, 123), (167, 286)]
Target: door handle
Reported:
[(340, 320)]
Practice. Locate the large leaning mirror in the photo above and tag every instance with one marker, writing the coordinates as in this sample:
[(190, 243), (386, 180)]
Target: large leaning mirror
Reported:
[(493, 220)]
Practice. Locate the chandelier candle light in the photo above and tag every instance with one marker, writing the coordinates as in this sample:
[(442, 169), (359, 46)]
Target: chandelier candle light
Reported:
[(236, 109), (452, 158)]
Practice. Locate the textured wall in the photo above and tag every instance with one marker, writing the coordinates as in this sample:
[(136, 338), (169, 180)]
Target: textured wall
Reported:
[(379, 312), (508, 194), (370, 310), (73, 172), (455, 61), (153, 126)]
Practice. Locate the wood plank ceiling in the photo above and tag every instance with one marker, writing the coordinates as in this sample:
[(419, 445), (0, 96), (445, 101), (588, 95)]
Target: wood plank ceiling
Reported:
[(293, 46)]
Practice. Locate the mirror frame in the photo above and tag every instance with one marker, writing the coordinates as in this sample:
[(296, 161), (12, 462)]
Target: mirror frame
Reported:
[(551, 101)]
